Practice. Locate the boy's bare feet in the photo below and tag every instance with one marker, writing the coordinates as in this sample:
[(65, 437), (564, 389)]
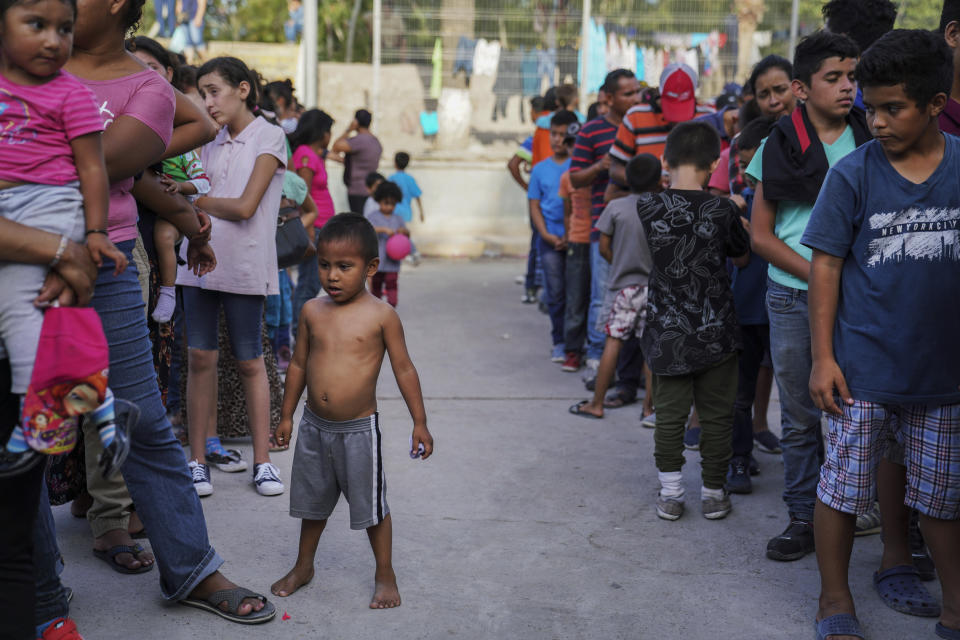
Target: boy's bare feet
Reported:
[(296, 578), (386, 595)]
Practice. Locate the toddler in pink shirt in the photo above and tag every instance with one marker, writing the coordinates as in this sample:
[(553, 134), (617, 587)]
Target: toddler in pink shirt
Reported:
[(52, 173)]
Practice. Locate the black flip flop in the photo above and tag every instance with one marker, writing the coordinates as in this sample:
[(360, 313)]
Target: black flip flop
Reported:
[(575, 410), (109, 556), (234, 597)]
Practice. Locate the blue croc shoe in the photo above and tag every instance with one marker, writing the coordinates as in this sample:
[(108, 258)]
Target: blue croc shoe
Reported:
[(900, 589), (947, 633), (841, 624)]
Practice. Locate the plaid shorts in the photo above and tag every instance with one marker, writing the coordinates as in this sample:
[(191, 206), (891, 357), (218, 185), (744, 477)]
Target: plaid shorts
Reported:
[(628, 313), (931, 443)]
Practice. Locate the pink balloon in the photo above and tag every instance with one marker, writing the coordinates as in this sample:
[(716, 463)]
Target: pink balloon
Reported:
[(398, 246)]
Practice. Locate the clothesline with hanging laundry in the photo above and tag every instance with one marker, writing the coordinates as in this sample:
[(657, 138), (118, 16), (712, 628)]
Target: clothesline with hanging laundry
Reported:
[(614, 47)]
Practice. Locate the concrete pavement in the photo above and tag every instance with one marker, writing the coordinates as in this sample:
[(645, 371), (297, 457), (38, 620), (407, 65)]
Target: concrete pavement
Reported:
[(527, 523)]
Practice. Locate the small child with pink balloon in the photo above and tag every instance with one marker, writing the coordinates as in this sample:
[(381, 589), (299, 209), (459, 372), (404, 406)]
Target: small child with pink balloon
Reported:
[(394, 240)]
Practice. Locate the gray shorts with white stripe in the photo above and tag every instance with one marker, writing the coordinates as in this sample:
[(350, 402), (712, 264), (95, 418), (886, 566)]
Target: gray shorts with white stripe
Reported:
[(331, 458)]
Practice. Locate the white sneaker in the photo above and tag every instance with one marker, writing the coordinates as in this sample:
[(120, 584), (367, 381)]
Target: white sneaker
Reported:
[(649, 421), (267, 478), (593, 364), (201, 478)]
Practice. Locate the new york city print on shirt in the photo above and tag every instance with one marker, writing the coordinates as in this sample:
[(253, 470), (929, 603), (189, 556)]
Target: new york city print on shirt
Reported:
[(914, 234)]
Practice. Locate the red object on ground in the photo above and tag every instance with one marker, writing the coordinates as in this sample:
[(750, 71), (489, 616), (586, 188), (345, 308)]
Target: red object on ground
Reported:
[(286, 616)]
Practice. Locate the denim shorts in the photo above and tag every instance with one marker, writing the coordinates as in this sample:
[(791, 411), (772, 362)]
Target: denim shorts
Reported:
[(931, 441), (244, 314), (57, 209)]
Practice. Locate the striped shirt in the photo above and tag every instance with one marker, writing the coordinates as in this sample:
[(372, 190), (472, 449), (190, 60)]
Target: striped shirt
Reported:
[(593, 143), (643, 130)]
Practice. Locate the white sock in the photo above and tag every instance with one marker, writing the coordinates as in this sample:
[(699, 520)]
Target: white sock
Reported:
[(671, 484), (166, 303), (716, 494)]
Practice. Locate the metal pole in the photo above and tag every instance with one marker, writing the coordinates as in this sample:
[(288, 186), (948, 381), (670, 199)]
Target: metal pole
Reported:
[(585, 53), (794, 27), (377, 23), (310, 35)]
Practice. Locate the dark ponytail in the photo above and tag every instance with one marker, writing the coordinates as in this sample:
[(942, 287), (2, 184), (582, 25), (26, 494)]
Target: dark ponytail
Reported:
[(312, 126), (234, 71), (154, 49)]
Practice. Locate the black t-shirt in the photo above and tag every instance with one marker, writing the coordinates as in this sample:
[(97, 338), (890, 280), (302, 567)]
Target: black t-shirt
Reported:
[(691, 323)]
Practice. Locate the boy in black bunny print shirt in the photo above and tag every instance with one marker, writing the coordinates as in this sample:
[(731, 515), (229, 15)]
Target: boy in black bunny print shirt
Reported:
[(691, 339)]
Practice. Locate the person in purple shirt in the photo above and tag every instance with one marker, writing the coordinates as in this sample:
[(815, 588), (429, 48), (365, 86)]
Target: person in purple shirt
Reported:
[(950, 28)]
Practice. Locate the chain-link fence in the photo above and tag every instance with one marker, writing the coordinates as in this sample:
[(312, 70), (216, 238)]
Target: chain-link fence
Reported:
[(529, 45)]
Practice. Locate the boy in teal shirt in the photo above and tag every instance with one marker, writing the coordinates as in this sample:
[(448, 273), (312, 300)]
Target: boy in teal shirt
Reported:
[(790, 167)]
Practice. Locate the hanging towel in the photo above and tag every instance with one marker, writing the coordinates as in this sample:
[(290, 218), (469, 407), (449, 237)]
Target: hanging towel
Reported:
[(436, 81)]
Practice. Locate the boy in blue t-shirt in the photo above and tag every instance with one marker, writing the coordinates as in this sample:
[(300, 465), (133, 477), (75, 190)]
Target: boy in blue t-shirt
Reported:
[(789, 168), (546, 214), (411, 192), (408, 186), (884, 298)]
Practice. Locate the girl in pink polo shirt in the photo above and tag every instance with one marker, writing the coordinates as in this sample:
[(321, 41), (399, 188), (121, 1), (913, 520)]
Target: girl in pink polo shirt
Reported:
[(245, 162), (52, 174)]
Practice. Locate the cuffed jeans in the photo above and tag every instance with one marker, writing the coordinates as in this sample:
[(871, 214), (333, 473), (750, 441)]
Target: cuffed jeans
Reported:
[(801, 439), (756, 340), (578, 296), (712, 392), (155, 471), (554, 285), (599, 275)]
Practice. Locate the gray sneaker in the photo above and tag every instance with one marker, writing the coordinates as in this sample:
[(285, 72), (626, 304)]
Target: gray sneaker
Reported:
[(717, 508), (868, 523), (669, 508)]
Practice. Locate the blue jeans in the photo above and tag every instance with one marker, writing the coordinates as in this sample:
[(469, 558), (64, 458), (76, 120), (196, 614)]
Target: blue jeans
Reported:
[(156, 470), (554, 286), (176, 358), (578, 296), (279, 308), (801, 439), (166, 16), (599, 275), (534, 276), (308, 286)]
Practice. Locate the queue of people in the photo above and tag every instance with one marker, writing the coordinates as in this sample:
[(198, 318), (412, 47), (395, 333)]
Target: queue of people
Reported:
[(804, 229)]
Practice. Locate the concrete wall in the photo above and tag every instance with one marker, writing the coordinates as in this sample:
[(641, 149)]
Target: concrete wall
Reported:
[(471, 208)]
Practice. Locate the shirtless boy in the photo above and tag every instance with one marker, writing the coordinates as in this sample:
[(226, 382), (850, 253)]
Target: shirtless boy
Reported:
[(339, 351)]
